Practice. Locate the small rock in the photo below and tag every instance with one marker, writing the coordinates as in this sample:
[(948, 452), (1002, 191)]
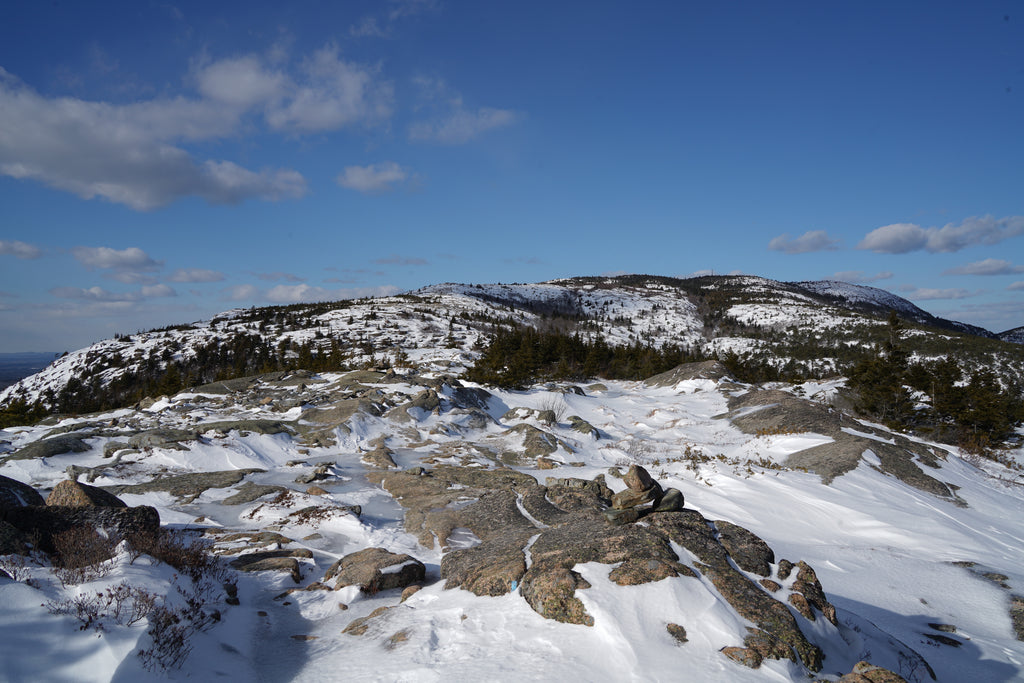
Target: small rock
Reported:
[(632, 497), (744, 656), (677, 632), (671, 501), (316, 491), (638, 479), (410, 591), (73, 494)]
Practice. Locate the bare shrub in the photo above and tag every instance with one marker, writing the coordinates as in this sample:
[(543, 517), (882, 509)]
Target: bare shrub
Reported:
[(170, 635), (187, 553), (16, 567), (81, 554), (123, 604), (556, 404)]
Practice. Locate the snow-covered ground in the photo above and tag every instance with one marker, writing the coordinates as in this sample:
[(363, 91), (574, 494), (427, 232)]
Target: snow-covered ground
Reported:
[(885, 552)]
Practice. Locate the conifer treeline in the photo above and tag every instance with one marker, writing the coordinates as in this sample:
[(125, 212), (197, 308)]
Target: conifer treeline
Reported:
[(972, 409), (521, 356)]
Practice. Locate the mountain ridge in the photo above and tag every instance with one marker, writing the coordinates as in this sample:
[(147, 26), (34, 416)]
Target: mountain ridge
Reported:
[(810, 327)]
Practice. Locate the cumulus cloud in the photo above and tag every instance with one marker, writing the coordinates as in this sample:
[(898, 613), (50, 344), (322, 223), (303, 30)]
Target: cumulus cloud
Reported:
[(813, 240), (134, 154), (241, 82), (130, 259), (989, 266), (20, 250), (372, 179), (196, 275), (901, 238), (332, 93), (449, 121), (395, 260), (860, 277), (242, 293), (93, 294)]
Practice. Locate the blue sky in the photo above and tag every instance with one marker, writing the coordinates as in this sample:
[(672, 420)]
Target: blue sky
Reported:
[(161, 162)]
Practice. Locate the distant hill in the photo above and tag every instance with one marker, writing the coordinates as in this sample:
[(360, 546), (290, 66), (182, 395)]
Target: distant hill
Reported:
[(16, 366)]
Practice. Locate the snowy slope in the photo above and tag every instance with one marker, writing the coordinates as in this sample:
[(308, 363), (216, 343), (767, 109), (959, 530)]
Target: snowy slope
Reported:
[(444, 326), (897, 562)]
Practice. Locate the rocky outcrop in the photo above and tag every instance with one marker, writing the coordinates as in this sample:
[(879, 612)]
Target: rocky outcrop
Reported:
[(117, 522), (47, 448), (532, 537), (709, 369), (14, 494), (865, 672), (187, 486), (376, 569), (74, 494), (775, 412)]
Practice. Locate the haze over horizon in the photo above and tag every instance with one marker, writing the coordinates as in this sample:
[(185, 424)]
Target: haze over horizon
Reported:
[(160, 163)]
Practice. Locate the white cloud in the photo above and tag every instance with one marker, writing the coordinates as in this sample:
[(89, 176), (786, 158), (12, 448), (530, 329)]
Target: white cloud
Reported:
[(156, 291), (131, 154), (898, 238), (196, 275), (374, 178), (20, 250), (448, 120), (989, 266), (928, 294), (241, 82), (333, 94), (813, 240), (901, 238), (860, 277), (132, 258), (131, 278), (93, 294), (1016, 287), (242, 293)]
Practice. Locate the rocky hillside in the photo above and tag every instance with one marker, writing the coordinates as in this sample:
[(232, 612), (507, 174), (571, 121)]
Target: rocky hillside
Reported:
[(406, 525), (808, 329)]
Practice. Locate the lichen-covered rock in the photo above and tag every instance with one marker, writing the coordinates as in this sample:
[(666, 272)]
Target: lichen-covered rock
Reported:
[(186, 485), (270, 561), (808, 586), (629, 497), (551, 594), (254, 426), (865, 672), (15, 494), (47, 448), (578, 424), (750, 553), (117, 522), (163, 437), (74, 494), (380, 457), (638, 479), (376, 569)]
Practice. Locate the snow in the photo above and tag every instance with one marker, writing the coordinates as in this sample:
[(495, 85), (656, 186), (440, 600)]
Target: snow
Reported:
[(883, 551)]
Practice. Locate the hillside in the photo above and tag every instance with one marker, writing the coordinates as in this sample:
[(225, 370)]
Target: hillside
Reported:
[(326, 495), (809, 329)]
